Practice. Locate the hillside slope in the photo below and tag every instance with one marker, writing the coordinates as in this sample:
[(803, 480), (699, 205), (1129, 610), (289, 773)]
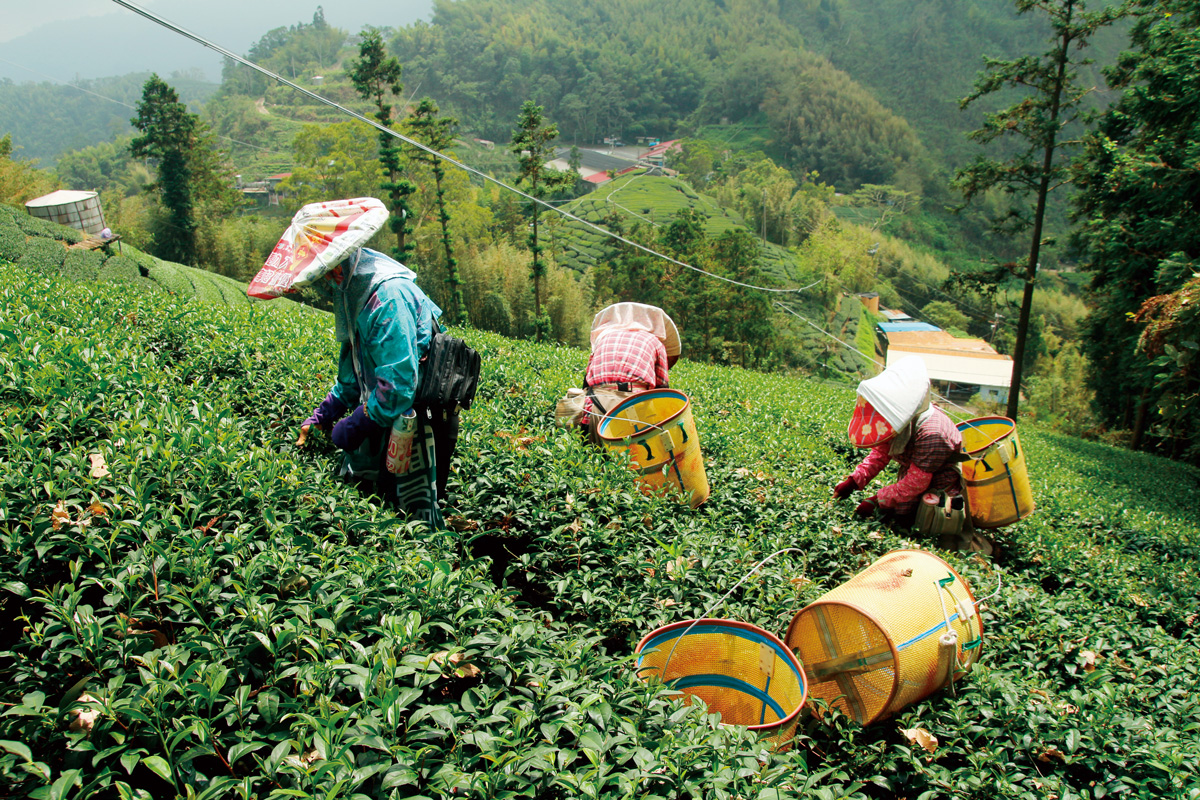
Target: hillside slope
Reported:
[(655, 201), (243, 623), (43, 248)]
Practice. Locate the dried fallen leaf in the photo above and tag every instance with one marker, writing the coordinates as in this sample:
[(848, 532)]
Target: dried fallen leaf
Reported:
[(574, 527), (741, 472), (461, 524), (680, 565), (876, 535), (82, 719), (309, 758), (468, 670), (59, 516), (799, 580), (97, 509), (99, 467), (922, 737), (1051, 754), (1089, 660), (1138, 600), (462, 667)]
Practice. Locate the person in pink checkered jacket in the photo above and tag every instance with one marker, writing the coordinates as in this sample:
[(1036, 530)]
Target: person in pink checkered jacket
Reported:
[(633, 347)]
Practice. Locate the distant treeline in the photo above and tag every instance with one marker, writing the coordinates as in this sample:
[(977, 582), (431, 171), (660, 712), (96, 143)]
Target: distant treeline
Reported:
[(46, 119)]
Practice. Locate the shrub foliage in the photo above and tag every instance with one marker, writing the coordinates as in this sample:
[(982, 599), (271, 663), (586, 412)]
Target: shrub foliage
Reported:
[(191, 606)]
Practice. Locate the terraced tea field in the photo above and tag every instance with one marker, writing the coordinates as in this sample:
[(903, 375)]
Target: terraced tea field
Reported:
[(192, 607)]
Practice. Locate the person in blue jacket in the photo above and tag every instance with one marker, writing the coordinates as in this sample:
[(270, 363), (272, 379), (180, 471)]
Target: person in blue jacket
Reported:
[(385, 324)]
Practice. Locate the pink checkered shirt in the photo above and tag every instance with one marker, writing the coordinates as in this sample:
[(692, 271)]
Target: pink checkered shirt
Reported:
[(634, 357)]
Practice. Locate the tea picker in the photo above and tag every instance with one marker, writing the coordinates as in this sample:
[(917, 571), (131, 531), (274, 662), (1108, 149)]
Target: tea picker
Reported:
[(634, 345), (393, 408), (894, 418)]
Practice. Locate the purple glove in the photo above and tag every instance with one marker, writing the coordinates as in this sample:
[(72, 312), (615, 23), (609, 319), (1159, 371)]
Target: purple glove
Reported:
[(867, 507), (328, 412), (846, 488), (354, 429)]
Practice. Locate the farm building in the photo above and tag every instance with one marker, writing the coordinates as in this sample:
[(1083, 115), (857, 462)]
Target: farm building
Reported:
[(963, 367), (894, 316), (594, 167), (657, 153)]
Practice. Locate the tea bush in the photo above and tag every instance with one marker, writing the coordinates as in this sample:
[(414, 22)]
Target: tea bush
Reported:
[(192, 607), (41, 247)]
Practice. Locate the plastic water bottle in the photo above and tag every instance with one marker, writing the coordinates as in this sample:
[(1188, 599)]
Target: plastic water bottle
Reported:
[(400, 442)]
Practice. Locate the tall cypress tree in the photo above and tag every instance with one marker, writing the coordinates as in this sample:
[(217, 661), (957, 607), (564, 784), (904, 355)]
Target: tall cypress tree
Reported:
[(531, 144), (1051, 101), (438, 134), (168, 134), (375, 75)]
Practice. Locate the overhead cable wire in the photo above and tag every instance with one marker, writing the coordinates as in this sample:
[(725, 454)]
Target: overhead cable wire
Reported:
[(420, 146)]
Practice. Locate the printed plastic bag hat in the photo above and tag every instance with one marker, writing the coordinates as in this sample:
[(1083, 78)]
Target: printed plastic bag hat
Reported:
[(867, 426), (320, 236), (637, 317), (898, 393)]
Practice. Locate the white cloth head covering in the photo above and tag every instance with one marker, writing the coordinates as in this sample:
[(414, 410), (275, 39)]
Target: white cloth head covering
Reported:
[(637, 317), (901, 394), (320, 237)]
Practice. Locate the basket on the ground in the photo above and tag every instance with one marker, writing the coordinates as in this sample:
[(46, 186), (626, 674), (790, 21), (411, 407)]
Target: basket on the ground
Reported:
[(743, 672), (898, 631)]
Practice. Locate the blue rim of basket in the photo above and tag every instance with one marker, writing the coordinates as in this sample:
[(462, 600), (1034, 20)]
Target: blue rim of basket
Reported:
[(649, 394), (726, 681)]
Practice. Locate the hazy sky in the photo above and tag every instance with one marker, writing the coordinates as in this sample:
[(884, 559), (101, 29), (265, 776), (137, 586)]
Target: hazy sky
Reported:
[(64, 39)]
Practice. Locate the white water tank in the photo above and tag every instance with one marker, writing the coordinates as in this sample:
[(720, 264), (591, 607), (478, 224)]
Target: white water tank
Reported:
[(80, 210)]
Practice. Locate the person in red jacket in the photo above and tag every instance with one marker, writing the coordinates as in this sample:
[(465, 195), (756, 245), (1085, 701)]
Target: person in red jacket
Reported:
[(895, 418)]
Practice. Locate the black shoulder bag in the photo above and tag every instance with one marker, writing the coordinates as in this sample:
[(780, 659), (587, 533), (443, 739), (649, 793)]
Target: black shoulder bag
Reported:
[(449, 375)]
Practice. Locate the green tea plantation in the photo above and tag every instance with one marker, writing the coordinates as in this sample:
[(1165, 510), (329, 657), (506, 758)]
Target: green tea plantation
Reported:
[(192, 607)]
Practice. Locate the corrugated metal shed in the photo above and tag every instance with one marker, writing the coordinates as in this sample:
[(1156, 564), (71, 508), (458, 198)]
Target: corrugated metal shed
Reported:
[(947, 358), (903, 327), (894, 315)]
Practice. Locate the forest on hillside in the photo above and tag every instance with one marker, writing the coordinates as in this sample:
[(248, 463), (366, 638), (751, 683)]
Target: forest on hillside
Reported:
[(829, 134)]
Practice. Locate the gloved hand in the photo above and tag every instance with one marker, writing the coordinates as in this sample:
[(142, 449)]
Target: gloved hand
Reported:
[(330, 410), (846, 488), (868, 507), (354, 429)]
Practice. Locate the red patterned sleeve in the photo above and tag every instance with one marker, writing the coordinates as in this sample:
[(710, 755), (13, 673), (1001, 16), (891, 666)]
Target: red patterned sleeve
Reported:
[(909, 488), (871, 466)]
